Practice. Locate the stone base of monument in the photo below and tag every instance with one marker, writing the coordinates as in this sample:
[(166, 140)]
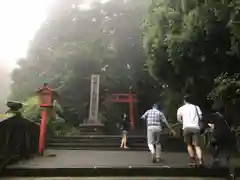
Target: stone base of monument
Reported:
[(87, 128)]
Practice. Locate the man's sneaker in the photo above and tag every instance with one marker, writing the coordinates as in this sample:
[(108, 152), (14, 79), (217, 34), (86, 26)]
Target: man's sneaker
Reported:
[(196, 163), (159, 160), (216, 163), (200, 163), (228, 160), (153, 158), (192, 162)]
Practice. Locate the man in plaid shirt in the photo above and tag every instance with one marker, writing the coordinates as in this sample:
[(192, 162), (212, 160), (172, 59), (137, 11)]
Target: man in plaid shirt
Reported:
[(155, 119)]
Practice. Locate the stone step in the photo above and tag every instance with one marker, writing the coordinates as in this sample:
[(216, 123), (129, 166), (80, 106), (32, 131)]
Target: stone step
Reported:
[(69, 144), (116, 148), (117, 141), (99, 137), (96, 140), (168, 142), (112, 178), (111, 146), (94, 136), (108, 138), (159, 172), (112, 142)]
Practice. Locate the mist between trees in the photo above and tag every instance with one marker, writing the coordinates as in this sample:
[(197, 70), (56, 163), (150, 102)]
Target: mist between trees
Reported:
[(159, 50)]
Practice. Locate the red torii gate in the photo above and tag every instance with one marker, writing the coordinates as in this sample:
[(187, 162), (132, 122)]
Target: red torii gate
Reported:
[(129, 98)]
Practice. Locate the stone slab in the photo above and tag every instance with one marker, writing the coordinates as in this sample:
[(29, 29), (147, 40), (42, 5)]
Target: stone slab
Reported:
[(113, 178), (88, 163)]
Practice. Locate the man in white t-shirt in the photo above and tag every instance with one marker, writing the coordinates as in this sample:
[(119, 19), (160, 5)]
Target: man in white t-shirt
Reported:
[(190, 115)]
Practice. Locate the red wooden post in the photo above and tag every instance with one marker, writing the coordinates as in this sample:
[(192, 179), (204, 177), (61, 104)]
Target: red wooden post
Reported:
[(125, 98), (46, 101), (131, 111), (41, 142)]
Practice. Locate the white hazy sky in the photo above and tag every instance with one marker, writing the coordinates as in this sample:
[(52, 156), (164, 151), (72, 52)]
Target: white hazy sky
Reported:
[(19, 20)]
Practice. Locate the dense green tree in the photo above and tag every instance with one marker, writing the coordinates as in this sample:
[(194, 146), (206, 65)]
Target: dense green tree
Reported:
[(189, 46), (31, 110), (55, 119), (73, 44)]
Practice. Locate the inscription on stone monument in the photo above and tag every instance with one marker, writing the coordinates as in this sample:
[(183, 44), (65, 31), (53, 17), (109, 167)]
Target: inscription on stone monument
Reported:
[(94, 99)]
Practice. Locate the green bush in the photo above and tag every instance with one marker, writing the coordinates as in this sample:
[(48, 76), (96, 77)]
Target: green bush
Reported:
[(67, 130), (31, 109), (55, 122)]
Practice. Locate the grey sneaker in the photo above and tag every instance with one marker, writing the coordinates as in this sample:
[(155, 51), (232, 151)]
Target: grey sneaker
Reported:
[(216, 163), (159, 160), (192, 162)]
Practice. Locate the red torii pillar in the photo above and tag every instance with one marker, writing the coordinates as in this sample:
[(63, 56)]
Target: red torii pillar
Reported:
[(129, 98), (45, 95)]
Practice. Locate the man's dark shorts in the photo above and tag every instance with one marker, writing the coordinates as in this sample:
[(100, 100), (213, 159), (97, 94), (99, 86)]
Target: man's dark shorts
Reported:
[(192, 136)]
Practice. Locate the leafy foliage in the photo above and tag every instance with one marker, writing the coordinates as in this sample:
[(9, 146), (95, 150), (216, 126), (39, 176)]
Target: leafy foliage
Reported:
[(188, 47), (226, 87), (55, 122), (31, 110), (70, 47)]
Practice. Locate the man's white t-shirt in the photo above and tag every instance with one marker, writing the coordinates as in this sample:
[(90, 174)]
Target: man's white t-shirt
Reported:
[(190, 118)]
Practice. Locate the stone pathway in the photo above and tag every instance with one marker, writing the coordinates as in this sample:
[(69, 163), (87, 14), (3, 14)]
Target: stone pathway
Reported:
[(99, 159), (112, 178), (90, 159), (102, 159)]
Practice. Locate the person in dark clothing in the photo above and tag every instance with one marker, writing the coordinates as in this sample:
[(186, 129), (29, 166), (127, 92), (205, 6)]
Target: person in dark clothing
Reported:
[(124, 127), (223, 137)]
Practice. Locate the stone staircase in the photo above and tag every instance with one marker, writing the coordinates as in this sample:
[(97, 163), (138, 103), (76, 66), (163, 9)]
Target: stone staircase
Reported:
[(112, 142)]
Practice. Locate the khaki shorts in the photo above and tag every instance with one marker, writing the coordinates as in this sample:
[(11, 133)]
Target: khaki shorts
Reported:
[(192, 136)]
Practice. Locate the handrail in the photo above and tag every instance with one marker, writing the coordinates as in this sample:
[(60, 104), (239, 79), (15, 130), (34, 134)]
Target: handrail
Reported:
[(8, 152)]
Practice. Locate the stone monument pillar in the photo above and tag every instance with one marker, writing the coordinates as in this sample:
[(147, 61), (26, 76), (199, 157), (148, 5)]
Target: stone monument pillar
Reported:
[(93, 125), (94, 100)]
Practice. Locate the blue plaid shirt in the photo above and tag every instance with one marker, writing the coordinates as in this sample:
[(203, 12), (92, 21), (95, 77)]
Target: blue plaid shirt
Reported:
[(154, 117)]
